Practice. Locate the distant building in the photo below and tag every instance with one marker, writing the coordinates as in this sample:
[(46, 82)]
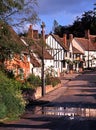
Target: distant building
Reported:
[(87, 45), (63, 51)]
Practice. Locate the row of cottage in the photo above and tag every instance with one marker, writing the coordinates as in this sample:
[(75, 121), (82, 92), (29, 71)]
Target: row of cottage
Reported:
[(60, 54)]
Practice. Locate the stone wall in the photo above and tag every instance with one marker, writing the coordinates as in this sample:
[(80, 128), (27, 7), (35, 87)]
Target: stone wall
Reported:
[(48, 89)]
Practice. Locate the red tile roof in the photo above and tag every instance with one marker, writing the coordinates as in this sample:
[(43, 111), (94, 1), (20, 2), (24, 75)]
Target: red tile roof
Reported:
[(34, 62), (86, 44), (37, 48), (60, 41), (66, 46), (93, 40), (76, 51)]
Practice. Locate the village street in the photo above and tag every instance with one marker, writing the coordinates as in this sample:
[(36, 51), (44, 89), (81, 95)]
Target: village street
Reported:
[(80, 90), (70, 107)]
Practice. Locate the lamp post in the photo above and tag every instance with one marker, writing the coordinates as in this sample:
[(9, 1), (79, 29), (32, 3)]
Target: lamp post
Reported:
[(42, 60)]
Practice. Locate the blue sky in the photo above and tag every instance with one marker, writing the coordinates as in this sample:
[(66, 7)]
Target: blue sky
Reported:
[(63, 11)]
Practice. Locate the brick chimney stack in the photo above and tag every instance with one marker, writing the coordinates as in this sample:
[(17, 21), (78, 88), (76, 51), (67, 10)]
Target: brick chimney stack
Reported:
[(35, 34), (87, 34), (65, 38), (30, 32), (43, 32)]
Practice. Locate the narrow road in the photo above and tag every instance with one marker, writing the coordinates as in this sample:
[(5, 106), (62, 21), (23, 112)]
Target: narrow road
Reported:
[(82, 90), (71, 107)]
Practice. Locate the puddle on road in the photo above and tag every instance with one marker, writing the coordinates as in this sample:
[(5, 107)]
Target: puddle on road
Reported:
[(70, 112)]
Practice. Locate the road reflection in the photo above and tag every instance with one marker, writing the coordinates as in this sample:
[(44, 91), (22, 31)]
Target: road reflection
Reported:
[(70, 112)]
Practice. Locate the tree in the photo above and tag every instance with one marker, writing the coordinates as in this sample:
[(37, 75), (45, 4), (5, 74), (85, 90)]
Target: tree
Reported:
[(93, 25), (10, 43), (18, 12), (77, 28), (55, 25), (86, 21), (14, 13)]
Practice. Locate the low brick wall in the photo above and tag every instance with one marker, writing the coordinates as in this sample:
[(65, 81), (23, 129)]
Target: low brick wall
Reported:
[(48, 89)]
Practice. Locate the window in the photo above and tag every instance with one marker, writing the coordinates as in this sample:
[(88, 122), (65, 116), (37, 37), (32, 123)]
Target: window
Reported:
[(63, 63), (70, 54), (66, 53), (77, 56)]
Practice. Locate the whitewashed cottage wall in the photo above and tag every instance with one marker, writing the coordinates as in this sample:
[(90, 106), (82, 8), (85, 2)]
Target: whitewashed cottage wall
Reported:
[(92, 54), (56, 51)]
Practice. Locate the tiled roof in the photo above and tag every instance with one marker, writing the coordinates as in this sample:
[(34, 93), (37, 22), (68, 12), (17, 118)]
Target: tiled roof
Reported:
[(76, 51), (60, 41), (34, 61), (37, 48), (93, 40), (86, 44)]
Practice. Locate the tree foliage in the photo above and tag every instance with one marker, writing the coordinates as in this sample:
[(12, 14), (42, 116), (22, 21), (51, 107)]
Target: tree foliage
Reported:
[(18, 12), (9, 41), (55, 25), (15, 13), (86, 21)]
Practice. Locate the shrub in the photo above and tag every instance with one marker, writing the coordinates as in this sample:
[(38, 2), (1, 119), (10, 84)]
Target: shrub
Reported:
[(34, 80), (28, 94), (28, 88), (3, 110), (52, 80), (11, 98)]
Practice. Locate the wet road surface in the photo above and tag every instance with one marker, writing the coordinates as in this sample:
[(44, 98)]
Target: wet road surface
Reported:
[(74, 109)]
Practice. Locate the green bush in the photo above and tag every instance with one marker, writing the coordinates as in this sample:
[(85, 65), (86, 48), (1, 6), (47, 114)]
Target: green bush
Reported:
[(34, 80), (28, 92), (3, 110), (11, 98), (29, 87), (49, 80)]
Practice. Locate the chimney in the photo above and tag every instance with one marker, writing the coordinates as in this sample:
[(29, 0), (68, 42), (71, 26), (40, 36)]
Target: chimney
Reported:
[(70, 37), (43, 32), (35, 34), (30, 32), (65, 38), (87, 34)]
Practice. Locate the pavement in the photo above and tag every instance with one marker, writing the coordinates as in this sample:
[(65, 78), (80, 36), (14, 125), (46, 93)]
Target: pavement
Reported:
[(58, 91)]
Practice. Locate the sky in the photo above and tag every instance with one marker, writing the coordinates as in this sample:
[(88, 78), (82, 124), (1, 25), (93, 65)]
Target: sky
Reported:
[(63, 11)]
